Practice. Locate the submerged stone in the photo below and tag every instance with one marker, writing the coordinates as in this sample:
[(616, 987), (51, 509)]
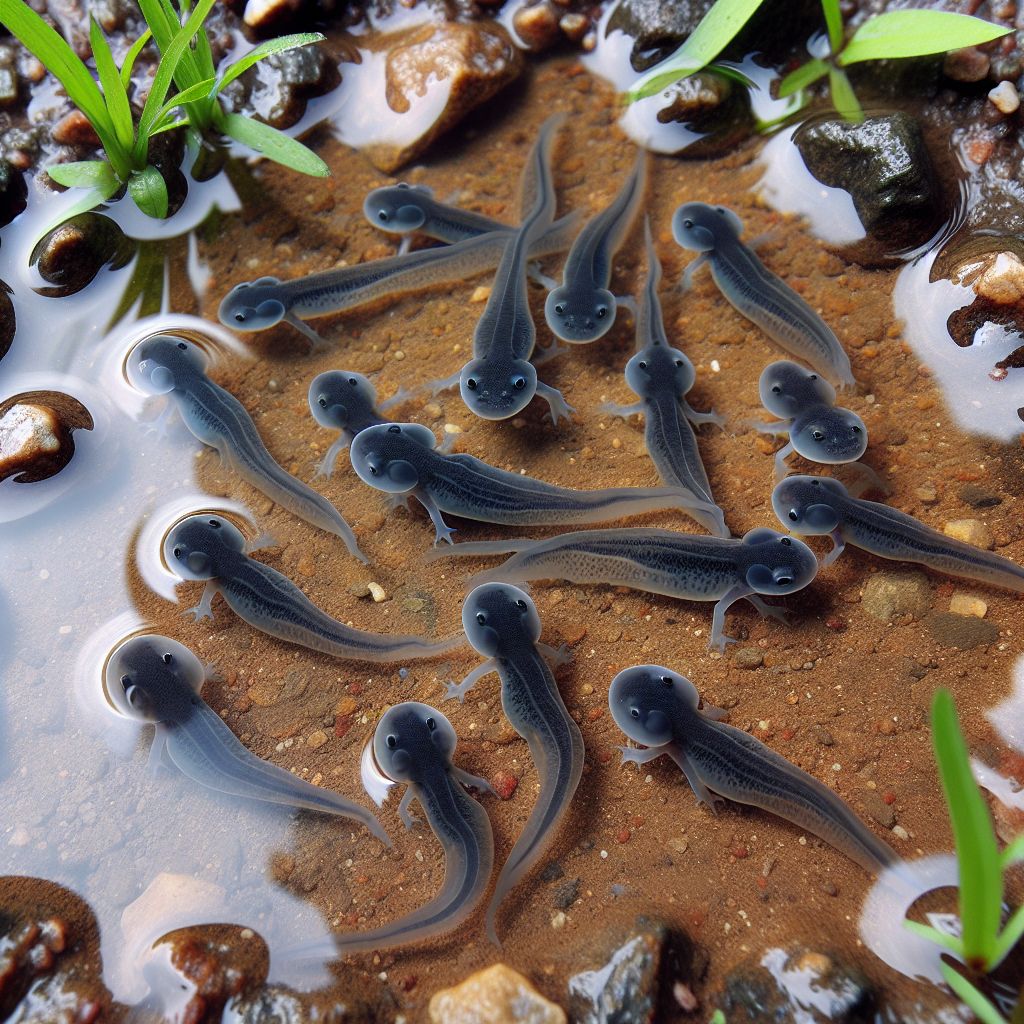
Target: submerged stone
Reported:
[(797, 985), (474, 61), (36, 439), (626, 988), (885, 166), (965, 632), (13, 193), (496, 995), (71, 255)]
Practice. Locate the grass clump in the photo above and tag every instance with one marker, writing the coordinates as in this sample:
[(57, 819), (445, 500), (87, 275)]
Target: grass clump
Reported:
[(902, 33), (186, 63), (983, 943)]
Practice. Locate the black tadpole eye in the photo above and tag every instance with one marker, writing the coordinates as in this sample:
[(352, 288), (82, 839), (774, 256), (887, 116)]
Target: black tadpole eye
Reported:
[(431, 724), (667, 680), (679, 362), (215, 523), (817, 435), (784, 581), (813, 376), (391, 741), (815, 483), (395, 429), (785, 542), (471, 383), (856, 430), (240, 318), (560, 308), (126, 680), (182, 346), (602, 312), (642, 364), (521, 604), (177, 552), (382, 216), (167, 659), (481, 618), (687, 224), (373, 470), (322, 402), (353, 381), (793, 515), (634, 712), (776, 389)]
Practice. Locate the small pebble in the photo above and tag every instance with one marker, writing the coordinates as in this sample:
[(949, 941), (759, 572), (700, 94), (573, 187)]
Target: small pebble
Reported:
[(480, 294), (967, 604), (377, 592), (1005, 98), (970, 531)]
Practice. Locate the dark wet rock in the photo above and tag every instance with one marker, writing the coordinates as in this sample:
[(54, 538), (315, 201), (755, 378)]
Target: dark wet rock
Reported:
[(70, 256), (707, 104), (656, 27), (537, 25), (890, 594), (13, 193), (566, 894), (967, 65), (979, 497), (36, 434), (965, 632), (279, 87), (885, 166), (775, 987), (268, 15), (8, 320), (476, 60), (637, 979)]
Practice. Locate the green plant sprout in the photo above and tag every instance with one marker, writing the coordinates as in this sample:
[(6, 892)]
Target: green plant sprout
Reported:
[(904, 33), (982, 945), (107, 108)]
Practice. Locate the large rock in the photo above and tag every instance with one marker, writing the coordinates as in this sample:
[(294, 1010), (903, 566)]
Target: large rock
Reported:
[(885, 166), (474, 61), (496, 995), (795, 986), (71, 255), (890, 594)]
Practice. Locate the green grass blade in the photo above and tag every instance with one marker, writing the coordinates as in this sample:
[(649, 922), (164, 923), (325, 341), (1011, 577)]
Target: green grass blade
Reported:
[(169, 126), (149, 191), (271, 46), (168, 65), (802, 77), (113, 88), (915, 33), (205, 67), (162, 21), (1012, 854), (843, 97), (85, 174), (971, 997), (1008, 938), (276, 145), (981, 881), (132, 56), (63, 63), (926, 931), (199, 91), (716, 30), (834, 21)]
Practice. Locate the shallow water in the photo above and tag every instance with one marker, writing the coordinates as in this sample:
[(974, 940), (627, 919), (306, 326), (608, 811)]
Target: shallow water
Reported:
[(80, 570)]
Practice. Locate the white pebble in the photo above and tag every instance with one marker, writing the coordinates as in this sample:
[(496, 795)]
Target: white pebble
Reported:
[(377, 592), (1005, 98)]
